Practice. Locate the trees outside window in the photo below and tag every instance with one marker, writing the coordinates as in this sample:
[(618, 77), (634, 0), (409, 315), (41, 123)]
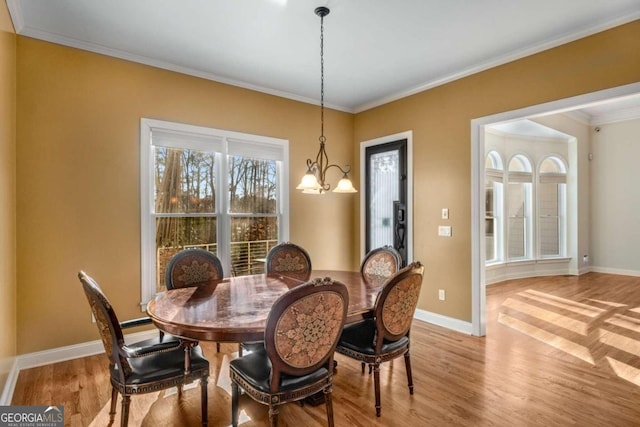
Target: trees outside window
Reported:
[(217, 190)]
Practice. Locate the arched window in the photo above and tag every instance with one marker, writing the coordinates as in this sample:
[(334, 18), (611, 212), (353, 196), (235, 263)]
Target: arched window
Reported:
[(552, 203), (519, 200), (494, 177)]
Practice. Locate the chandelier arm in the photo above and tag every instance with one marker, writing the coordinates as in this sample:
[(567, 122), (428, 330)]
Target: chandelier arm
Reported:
[(344, 171)]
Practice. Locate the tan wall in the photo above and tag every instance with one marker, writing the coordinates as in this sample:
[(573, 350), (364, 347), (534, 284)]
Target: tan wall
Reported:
[(78, 165), (7, 194), (78, 177), (440, 120)]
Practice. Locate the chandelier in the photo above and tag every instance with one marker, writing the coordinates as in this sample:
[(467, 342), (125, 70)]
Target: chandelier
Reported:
[(314, 181)]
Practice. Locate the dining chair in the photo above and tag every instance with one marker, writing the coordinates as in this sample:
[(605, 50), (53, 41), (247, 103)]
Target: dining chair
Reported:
[(290, 260), (303, 328), (381, 262), (193, 267), (386, 336), (145, 366)]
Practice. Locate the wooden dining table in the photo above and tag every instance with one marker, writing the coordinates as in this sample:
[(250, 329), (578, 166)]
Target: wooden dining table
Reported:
[(235, 309)]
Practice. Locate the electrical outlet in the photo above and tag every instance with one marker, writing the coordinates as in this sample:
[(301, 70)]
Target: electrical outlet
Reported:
[(585, 259), (444, 230), (441, 295), (445, 213)]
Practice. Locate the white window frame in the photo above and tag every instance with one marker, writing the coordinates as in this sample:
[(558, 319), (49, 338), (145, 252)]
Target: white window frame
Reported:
[(555, 178), (224, 143), (525, 177), (495, 176)]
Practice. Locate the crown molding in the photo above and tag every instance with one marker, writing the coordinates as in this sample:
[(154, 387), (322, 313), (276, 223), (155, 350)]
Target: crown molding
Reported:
[(501, 60), (622, 115), (15, 11), (579, 116)]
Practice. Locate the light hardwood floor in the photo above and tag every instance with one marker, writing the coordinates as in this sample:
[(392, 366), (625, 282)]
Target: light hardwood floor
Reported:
[(559, 351)]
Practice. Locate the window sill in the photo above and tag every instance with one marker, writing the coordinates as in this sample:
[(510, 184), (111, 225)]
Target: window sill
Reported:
[(498, 264)]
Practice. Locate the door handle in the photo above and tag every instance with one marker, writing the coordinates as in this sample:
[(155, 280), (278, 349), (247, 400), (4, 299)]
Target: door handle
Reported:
[(400, 235)]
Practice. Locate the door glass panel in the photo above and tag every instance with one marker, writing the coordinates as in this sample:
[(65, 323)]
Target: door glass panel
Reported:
[(383, 190)]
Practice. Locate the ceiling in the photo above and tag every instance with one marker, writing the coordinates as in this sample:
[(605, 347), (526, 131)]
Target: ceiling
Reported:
[(376, 51)]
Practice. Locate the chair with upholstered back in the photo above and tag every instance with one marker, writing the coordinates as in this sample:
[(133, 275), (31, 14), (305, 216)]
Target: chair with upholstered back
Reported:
[(192, 267), (147, 366), (302, 330), (386, 335), (381, 262), (290, 260)]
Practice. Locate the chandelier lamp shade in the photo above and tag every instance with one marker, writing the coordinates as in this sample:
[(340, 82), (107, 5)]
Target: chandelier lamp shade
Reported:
[(314, 181)]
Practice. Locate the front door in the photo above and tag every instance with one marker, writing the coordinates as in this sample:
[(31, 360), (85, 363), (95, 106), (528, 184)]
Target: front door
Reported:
[(386, 196)]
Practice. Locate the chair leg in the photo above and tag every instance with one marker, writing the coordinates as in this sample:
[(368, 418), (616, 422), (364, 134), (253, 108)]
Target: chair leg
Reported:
[(327, 401), (273, 415), (204, 401), (362, 364), (376, 384), (126, 399), (407, 365), (234, 404), (179, 387), (218, 347), (114, 401)]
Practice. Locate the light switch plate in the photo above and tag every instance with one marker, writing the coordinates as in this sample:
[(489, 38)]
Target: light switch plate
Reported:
[(445, 213)]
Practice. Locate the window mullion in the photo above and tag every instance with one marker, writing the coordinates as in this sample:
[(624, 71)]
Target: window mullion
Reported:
[(222, 208)]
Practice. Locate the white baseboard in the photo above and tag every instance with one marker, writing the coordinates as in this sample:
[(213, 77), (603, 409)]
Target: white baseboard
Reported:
[(10, 384), (444, 321), (616, 271), (585, 270), (60, 354)]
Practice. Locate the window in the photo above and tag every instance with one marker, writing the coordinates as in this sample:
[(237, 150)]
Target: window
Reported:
[(552, 207), (518, 200), (493, 207), (213, 189)]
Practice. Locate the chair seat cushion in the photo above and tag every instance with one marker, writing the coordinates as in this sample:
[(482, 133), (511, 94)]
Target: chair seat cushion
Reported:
[(161, 366), (360, 337), (152, 345), (253, 346), (255, 369)]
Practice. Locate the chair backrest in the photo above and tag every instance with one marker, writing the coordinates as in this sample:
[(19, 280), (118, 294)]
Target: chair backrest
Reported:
[(107, 323), (381, 262), (192, 267), (303, 328), (288, 259), (396, 303)]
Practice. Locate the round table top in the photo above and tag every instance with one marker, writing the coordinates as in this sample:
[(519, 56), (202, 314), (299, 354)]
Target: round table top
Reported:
[(235, 309)]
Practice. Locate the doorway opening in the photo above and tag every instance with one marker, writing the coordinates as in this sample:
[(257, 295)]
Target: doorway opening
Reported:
[(478, 196)]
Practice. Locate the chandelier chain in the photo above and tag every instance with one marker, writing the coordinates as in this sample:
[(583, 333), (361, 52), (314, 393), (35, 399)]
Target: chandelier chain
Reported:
[(322, 138), (314, 181)]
